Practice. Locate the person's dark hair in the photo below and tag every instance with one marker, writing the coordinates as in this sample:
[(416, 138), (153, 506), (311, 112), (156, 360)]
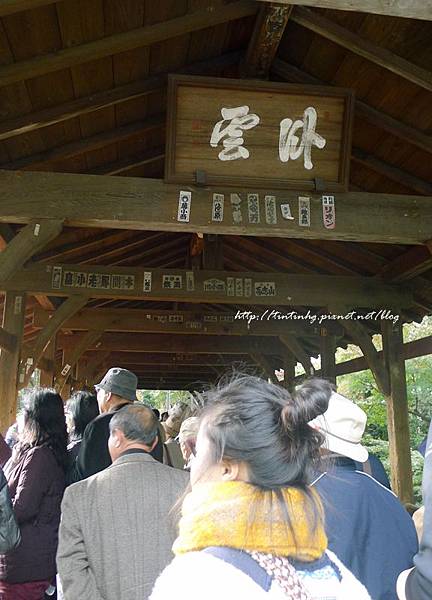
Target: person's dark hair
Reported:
[(83, 407), (138, 423), (164, 416), (262, 424), (44, 423), (157, 413)]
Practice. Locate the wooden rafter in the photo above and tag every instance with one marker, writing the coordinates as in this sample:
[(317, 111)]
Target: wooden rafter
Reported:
[(412, 9), (364, 48), (149, 204), (412, 263), (128, 164), (289, 289), (391, 172), (94, 142), (102, 100), (264, 43), (375, 117), (123, 42)]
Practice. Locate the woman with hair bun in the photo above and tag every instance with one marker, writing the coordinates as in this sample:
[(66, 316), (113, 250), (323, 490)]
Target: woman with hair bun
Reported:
[(251, 526), (36, 479)]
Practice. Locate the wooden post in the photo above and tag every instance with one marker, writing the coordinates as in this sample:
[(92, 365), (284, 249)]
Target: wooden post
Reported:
[(13, 323), (397, 411), (72, 356), (328, 356), (212, 252), (289, 364)]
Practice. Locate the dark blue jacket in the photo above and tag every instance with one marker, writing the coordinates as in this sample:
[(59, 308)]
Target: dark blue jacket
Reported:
[(367, 526)]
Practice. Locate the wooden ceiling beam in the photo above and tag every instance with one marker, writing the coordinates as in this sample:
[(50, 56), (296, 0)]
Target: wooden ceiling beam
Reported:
[(268, 289), (107, 98), (415, 349), (167, 360), (411, 9), (375, 117), (366, 49), (176, 343), (263, 46), (91, 143), (123, 42), (180, 321), (152, 205)]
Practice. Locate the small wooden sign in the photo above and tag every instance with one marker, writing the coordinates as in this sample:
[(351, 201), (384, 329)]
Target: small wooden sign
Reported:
[(237, 132)]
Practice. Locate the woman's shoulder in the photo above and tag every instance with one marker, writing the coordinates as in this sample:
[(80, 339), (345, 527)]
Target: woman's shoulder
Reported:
[(197, 574)]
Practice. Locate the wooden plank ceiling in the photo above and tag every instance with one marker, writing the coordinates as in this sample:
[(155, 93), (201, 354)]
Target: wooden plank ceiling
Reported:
[(62, 109)]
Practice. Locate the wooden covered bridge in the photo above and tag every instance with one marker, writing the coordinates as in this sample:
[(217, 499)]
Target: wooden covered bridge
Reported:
[(122, 248)]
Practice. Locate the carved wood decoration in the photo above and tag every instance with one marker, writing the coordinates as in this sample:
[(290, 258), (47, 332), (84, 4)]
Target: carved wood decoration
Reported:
[(269, 28)]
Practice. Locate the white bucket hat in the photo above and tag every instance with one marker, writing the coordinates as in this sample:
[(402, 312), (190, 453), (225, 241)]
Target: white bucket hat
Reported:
[(343, 425)]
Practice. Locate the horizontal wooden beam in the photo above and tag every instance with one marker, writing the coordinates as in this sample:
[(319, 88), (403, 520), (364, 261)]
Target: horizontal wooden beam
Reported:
[(176, 343), (412, 9), (421, 347), (219, 287), (123, 42), (363, 47), (137, 359), (152, 205), (107, 98), (188, 322), (409, 134)]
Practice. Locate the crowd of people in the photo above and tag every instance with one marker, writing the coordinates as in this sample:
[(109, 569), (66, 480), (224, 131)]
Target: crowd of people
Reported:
[(262, 493)]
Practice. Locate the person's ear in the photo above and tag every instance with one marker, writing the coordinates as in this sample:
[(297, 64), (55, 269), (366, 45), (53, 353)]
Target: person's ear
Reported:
[(117, 438), (230, 471), (155, 441)]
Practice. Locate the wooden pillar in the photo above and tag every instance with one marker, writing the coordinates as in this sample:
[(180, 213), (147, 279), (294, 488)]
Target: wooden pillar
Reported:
[(397, 411), (289, 364), (213, 252), (328, 355), (13, 323)]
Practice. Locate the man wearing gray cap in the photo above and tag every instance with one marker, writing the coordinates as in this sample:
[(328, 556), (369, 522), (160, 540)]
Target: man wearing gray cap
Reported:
[(117, 389)]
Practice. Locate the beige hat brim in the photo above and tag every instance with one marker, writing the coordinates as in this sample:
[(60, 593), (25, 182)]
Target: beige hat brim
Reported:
[(354, 451)]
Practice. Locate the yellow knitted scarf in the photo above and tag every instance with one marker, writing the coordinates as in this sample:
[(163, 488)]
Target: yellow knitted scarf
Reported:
[(240, 515)]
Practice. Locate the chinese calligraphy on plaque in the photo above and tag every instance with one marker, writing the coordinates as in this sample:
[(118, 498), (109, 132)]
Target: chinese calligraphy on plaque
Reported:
[(251, 133)]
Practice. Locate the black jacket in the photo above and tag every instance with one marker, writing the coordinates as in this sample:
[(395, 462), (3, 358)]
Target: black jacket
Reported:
[(10, 535), (419, 582), (93, 455)]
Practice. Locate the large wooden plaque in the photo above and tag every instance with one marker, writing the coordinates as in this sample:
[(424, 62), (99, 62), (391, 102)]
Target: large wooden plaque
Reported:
[(253, 133)]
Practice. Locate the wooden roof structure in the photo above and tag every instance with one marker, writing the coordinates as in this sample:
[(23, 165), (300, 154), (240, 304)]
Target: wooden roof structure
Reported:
[(83, 92)]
